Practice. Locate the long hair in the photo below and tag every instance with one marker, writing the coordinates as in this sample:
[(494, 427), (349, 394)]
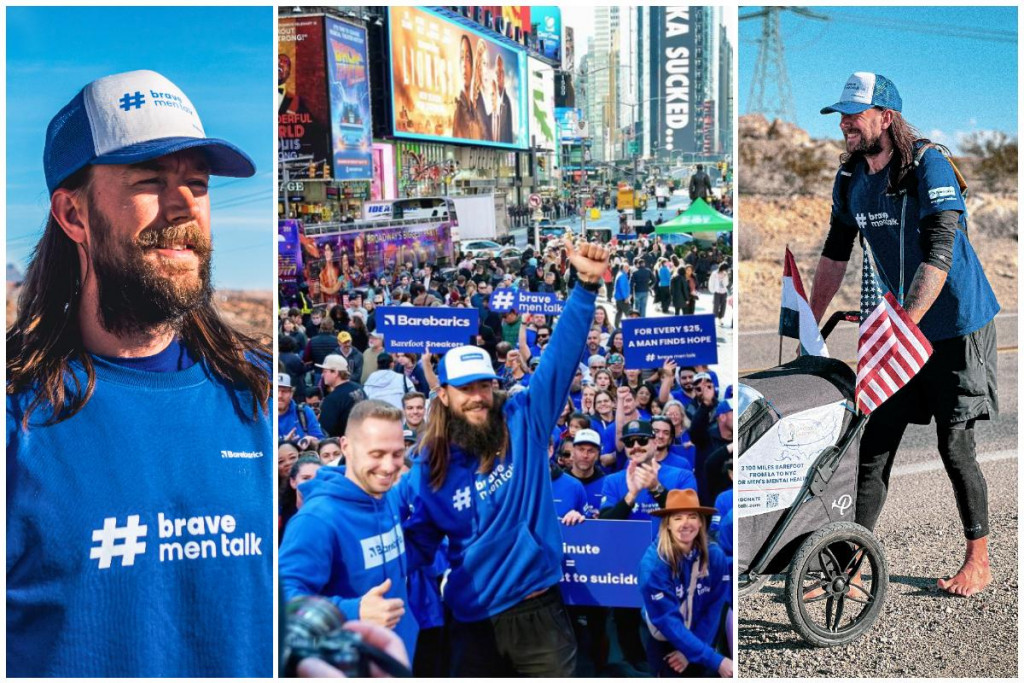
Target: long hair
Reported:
[(672, 553), (46, 339), (436, 442), (904, 138)]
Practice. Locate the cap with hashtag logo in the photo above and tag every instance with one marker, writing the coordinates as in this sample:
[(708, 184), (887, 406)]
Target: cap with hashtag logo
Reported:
[(464, 365), (127, 118)]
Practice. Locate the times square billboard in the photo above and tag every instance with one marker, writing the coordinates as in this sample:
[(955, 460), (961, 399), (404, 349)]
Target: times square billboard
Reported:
[(453, 83), (674, 124)]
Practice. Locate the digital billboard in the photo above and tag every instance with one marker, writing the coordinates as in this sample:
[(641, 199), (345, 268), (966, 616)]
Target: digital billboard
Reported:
[(303, 110), (451, 83), (571, 126), (542, 105), (546, 27), (677, 73), (348, 79)]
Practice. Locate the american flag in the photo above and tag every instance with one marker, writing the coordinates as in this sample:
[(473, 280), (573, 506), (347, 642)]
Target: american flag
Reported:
[(891, 349)]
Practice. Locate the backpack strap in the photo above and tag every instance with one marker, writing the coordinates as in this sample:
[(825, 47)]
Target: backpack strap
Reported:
[(942, 149)]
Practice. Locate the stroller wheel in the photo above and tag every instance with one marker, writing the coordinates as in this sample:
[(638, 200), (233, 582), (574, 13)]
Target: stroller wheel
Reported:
[(836, 584)]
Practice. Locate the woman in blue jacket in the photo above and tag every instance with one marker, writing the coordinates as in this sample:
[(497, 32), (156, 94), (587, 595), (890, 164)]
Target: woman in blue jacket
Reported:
[(685, 582)]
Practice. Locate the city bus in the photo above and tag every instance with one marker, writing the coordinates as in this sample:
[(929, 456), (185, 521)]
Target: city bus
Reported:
[(333, 258)]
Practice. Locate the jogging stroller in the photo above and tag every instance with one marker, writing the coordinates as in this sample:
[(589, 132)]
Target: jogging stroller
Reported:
[(799, 436)]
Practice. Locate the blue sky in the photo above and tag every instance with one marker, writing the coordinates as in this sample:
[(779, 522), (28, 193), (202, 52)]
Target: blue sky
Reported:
[(953, 74), (222, 58)]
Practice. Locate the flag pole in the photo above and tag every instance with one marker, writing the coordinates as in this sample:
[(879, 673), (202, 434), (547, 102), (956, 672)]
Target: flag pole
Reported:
[(780, 326)]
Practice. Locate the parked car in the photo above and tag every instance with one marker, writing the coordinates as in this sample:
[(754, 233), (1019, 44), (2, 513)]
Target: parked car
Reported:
[(479, 248)]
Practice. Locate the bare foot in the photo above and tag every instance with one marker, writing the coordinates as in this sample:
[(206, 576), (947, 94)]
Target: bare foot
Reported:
[(975, 573), (972, 578)]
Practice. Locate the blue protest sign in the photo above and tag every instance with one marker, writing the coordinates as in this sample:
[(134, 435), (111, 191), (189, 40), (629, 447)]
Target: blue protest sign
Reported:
[(601, 562), (411, 328), (626, 236), (503, 300), (686, 339), (545, 303)]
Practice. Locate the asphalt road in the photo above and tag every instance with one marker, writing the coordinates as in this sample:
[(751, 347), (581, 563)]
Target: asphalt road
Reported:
[(921, 632)]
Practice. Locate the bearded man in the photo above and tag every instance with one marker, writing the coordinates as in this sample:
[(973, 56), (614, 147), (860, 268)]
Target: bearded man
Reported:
[(138, 426), (902, 197), (481, 478)]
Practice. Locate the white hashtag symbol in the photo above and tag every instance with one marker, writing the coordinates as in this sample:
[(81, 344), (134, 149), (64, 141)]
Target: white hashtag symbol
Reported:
[(461, 498), (650, 357), (131, 532), (503, 300)]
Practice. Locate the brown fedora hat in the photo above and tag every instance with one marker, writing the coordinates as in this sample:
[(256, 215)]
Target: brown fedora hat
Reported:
[(684, 500)]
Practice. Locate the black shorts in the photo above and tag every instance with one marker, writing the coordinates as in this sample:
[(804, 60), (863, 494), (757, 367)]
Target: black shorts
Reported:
[(957, 384)]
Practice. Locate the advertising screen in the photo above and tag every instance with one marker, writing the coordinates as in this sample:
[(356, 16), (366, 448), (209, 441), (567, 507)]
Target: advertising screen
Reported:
[(452, 83), (349, 80), (546, 25), (542, 105), (571, 126), (303, 111)]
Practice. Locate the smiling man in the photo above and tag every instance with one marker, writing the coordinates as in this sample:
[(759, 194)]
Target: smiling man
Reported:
[(127, 399), (481, 478)]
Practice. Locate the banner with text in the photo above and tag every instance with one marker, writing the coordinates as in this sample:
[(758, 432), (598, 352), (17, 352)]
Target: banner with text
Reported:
[(686, 339), (407, 328), (545, 303), (601, 562)]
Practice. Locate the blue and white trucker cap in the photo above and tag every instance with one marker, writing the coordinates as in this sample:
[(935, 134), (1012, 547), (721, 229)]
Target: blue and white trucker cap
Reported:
[(864, 90), (464, 365), (127, 118)]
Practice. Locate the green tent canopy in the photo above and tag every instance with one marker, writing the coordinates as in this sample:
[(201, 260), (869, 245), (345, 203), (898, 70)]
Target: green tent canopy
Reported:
[(699, 217)]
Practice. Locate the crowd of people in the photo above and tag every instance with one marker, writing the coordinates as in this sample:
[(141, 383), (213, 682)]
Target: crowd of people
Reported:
[(620, 443)]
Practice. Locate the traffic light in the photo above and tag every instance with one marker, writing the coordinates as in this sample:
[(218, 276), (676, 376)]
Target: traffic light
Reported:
[(312, 170)]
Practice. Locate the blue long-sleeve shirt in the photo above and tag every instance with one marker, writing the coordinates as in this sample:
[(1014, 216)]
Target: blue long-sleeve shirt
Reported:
[(504, 541), (664, 596), (289, 420), (622, 289)]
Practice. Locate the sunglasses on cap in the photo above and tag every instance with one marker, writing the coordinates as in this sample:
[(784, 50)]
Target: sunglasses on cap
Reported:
[(631, 441)]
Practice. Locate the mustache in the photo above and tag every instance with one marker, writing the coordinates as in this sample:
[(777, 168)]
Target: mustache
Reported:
[(165, 237)]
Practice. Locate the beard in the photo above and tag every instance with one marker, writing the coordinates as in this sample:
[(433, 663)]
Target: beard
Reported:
[(486, 440), (134, 295), (865, 146)]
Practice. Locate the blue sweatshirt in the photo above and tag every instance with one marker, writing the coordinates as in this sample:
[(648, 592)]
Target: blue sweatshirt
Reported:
[(504, 541), (341, 543), (172, 464), (664, 596), (723, 503), (621, 286), (568, 493), (290, 420)]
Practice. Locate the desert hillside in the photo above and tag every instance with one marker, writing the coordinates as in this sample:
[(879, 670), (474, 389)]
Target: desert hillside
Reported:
[(785, 185)]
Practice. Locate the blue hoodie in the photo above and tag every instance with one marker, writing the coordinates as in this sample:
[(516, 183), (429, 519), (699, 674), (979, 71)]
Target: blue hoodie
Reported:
[(568, 493), (615, 489), (504, 541), (342, 543), (664, 595)]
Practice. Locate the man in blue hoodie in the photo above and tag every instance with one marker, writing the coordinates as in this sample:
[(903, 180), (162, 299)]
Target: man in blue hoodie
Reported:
[(481, 478), (346, 541)]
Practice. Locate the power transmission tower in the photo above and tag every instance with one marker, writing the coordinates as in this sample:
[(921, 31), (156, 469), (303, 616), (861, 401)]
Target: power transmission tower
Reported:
[(771, 66)]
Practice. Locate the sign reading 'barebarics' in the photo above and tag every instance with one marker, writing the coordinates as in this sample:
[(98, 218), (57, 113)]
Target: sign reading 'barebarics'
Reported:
[(408, 328)]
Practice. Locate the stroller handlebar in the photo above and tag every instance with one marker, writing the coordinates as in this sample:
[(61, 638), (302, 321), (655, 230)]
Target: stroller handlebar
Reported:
[(830, 324)]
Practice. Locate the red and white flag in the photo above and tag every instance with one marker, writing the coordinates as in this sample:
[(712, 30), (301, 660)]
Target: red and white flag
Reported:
[(891, 349), (796, 319)]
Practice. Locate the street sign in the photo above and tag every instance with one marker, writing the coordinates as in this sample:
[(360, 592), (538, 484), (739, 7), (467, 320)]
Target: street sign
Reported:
[(535, 201)]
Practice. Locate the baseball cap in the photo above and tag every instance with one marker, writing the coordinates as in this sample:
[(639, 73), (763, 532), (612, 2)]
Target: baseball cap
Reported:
[(615, 358), (587, 436), (344, 337), (723, 407), (334, 361), (378, 334), (637, 428), (130, 117), (284, 380), (464, 365), (408, 435), (702, 376), (864, 90)]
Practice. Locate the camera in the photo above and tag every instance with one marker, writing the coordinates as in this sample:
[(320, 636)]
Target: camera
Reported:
[(314, 629)]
